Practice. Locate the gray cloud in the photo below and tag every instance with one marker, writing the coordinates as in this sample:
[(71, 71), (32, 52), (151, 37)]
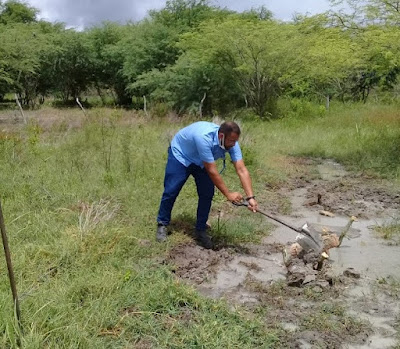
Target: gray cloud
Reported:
[(83, 13)]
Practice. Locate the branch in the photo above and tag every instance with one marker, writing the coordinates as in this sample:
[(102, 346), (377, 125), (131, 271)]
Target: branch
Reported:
[(201, 105), (79, 103), (20, 108)]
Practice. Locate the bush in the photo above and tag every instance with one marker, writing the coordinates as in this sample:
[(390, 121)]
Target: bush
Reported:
[(300, 108), (160, 110)]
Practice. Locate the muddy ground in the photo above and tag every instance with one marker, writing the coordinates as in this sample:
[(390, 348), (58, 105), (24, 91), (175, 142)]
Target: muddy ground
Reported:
[(353, 302)]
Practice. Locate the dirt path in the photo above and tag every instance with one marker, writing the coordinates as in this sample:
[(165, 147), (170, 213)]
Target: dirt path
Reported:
[(353, 302)]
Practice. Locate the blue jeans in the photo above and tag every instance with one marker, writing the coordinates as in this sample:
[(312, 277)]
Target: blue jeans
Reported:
[(176, 176)]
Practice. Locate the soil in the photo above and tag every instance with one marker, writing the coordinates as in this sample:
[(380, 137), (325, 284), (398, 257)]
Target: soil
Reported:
[(352, 302)]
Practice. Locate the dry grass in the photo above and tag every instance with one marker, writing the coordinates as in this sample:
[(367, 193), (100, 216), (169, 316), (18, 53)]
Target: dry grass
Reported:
[(96, 214)]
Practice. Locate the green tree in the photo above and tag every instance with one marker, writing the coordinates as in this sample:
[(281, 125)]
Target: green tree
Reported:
[(108, 60), (360, 14), (13, 11), (327, 58), (151, 47), (183, 15), (23, 46), (254, 57), (72, 64), (373, 25)]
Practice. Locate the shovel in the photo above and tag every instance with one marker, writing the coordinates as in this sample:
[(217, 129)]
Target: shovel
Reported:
[(304, 230)]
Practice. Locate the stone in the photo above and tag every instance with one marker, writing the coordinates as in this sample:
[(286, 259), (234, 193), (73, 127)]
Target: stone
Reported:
[(308, 279), (326, 213), (350, 272)]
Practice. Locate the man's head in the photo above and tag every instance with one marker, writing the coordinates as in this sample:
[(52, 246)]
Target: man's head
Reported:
[(228, 134)]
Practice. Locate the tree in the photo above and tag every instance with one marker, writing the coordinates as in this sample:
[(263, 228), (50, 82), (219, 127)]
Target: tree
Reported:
[(361, 14), (256, 55), (328, 56), (147, 46), (184, 15), (13, 11), (23, 46), (72, 64), (108, 60), (373, 25)]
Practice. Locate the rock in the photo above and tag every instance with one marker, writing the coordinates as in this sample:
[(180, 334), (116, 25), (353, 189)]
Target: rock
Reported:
[(350, 272), (322, 283), (329, 277), (330, 241), (317, 289), (326, 213), (298, 267), (311, 258), (295, 280), (308, 279)]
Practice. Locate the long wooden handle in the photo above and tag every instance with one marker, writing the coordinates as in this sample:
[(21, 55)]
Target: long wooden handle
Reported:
[(279, 221), (9, 265)]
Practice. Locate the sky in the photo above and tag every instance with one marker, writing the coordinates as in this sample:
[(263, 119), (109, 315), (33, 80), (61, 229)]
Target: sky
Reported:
[(85, 13)]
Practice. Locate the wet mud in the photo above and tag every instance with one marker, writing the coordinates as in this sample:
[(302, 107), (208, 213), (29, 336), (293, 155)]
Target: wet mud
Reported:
[(352, 301)]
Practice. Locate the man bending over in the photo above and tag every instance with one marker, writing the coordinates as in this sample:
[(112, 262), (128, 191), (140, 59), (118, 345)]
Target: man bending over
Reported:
[(193, 151)]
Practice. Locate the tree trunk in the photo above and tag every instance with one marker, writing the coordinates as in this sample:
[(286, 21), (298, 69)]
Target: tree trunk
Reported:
[(327, 102)]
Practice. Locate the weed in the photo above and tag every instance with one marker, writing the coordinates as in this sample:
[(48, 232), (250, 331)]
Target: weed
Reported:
[(333, 319), (390, 230)]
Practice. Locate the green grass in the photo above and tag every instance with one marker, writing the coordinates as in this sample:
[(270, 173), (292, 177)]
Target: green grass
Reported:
[(390, 231), (80, 206), (80, 197), (331, 318), (363, 137)]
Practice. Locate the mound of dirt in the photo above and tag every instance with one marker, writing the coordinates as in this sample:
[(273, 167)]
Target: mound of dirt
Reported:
[(353, 196), (196, 264)]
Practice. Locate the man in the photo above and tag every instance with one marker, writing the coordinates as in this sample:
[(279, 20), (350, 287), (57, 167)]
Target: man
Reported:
[(193, 151)]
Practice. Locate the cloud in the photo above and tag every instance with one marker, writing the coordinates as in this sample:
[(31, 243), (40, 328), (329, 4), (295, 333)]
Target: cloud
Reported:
[(85, 13)]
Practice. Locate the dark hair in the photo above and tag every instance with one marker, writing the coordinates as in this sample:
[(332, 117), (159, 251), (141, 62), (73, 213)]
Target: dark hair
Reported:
[(228, 127)]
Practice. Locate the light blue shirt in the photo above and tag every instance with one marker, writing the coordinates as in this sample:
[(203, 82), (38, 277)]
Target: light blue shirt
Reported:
[(198, 142)]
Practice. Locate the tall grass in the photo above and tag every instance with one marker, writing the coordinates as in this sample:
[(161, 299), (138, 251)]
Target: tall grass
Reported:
[(80, 197), (363, 137), (80, 207)]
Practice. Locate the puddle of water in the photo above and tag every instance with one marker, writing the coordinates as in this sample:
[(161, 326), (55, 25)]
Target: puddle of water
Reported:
[(381, 323), (367, 254), (234, 273), (359, 291), (264, 270), (376, 342), (331, 170)]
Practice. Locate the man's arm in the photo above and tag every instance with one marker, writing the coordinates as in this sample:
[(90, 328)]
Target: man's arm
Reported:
[(216, 178), (245, 179)]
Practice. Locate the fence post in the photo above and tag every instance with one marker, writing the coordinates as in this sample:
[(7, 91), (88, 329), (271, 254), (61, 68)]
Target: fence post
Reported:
[(9, 266)]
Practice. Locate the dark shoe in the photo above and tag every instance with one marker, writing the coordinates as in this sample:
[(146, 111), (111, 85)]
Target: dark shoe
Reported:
[(203, 239), (162, 233)]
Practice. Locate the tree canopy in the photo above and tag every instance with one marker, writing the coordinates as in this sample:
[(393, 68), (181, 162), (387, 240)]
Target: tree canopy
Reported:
[(191, 54)]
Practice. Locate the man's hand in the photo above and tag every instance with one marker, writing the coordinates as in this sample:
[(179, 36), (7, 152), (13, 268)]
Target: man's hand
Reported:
[(234, 197), (253, 205)]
